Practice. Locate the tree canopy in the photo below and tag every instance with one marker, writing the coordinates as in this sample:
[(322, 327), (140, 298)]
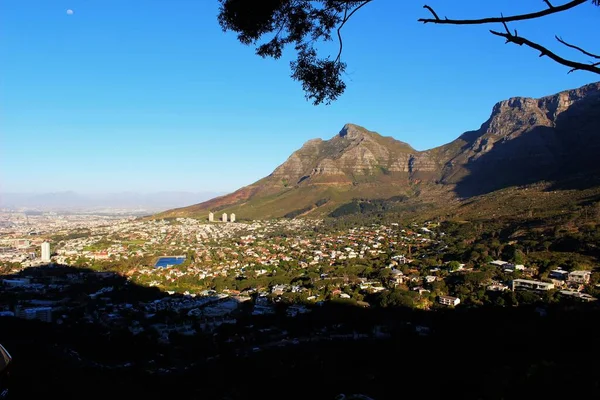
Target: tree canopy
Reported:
[(272, 25)]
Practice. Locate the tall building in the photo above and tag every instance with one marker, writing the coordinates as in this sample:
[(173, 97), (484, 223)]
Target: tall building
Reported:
[(232, 217), (211, 217), (224, 217), (45, 252)]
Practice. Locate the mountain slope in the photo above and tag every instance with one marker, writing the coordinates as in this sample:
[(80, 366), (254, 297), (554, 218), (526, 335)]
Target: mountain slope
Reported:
[(527, 140), (325, 174), (554, 138)]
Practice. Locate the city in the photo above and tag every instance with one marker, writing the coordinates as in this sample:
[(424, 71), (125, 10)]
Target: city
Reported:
[(293, 199), (235, 289), (222, 265)]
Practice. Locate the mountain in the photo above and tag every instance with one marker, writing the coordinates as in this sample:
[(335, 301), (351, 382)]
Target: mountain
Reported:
[(527, 140), (72, 201), (554, 138)]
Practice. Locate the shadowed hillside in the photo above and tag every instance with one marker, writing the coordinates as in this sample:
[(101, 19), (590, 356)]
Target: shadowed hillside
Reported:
[(555, 138), (102, 344)]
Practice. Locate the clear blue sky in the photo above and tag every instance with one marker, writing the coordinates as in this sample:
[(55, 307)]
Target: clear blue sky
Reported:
[(148, 95)]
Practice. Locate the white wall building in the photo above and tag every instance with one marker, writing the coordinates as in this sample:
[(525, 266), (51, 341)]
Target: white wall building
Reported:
[(531, 285), (45, 252), (224, 217), (580, 276), (211, 217), (449, 300), (232, 217)]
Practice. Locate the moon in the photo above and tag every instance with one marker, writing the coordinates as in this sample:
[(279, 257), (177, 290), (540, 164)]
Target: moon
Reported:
[(70, 12)]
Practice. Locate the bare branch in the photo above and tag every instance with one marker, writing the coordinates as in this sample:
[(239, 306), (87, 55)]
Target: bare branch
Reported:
[(510, 38), (431, 11), (344, 20), (575, 69), (587, 53), (548, 3), (339, 34), (550, 10)]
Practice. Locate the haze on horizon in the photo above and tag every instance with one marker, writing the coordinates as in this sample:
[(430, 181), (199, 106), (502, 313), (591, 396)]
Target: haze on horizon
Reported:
[(152, 96), (74, 201)]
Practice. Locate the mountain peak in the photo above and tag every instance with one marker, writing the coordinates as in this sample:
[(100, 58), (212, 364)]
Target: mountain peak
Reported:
[(352, 131)]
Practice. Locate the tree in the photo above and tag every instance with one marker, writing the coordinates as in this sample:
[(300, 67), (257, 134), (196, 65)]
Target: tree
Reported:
[(454, 265), (513, 37), (272, 25)]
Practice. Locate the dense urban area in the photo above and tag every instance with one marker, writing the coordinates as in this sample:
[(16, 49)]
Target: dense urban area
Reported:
[(195, 291)]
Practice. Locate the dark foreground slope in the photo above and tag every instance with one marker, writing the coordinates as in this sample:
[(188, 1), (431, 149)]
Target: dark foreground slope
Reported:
[(485, 353)]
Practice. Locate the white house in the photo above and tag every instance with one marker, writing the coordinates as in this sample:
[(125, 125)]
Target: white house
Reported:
[(531, 285), (579, 277), (449, 300)]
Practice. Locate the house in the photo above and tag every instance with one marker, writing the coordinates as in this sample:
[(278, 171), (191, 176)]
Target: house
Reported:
[(509, 267), (558, 274), (41, 313), (498, 263), (579, 277), (420, 289), (531, 285), (497, 287), (397, 277), (578, 295), (448, 300), (16, 282), (401, 259), (278, 290), (100, 255)]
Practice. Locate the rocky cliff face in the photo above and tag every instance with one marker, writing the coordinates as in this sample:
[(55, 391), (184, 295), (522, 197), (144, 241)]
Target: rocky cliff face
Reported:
[(524, 140), (351, 156)]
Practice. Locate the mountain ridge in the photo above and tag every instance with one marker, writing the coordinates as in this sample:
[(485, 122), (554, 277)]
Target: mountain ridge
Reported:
[(525, 140)]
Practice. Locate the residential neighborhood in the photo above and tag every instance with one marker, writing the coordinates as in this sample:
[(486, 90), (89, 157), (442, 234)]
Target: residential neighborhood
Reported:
[(219, 267), (188, 293)]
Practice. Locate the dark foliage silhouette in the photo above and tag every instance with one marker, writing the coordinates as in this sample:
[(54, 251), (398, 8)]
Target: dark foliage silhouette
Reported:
[(272, 25)]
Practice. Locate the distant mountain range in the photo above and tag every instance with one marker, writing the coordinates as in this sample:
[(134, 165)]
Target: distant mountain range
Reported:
[(552, 139), (72, 201)]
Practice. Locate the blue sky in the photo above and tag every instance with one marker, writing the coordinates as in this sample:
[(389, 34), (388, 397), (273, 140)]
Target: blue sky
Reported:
[(149, 95)]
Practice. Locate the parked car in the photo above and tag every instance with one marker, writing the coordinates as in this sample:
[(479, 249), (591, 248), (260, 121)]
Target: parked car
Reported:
[(5, 361)]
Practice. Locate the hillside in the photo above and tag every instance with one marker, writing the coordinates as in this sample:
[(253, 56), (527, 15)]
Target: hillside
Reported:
[(552, 139)]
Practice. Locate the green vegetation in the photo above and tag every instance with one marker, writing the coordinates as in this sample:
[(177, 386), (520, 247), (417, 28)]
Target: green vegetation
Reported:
[(133, 242), (296, 213), (99, 245), (368, 207)]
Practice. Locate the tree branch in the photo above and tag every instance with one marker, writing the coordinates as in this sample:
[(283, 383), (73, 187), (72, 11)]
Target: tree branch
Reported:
[(431, 11), (591, 65), (513, 38), (550, 10), (587, 53), (344, 20), (339, 34), (548, 3)]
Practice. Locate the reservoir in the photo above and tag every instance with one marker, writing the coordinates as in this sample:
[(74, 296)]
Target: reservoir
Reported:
[(163, 262)]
